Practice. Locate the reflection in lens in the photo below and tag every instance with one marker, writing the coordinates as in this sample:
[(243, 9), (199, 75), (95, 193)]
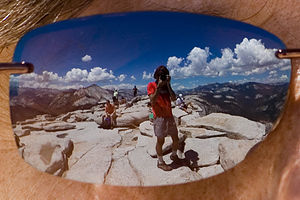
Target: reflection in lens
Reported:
[(229, 91)]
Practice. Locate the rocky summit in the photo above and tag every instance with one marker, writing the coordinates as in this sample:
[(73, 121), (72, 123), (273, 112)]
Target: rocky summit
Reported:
[(73, 146)]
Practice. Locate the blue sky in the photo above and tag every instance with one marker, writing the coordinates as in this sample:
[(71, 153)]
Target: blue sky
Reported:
[(123, 50)]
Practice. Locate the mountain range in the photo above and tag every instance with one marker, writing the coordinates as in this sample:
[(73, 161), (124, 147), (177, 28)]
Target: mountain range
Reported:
[(256, 101)]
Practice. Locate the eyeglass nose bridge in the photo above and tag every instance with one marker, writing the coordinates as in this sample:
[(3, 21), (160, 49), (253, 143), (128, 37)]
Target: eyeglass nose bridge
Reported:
[(287, 53), (17, 68)]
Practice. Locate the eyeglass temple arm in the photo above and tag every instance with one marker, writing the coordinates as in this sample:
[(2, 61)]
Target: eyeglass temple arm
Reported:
[(287, 53), (24, 67), (17, 68)]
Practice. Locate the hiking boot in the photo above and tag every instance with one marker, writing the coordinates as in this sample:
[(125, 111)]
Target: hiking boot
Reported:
[(164, 166), (174, 158)]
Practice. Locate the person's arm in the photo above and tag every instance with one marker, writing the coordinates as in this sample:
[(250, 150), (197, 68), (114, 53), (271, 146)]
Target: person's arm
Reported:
[(153, 96), (106, 112)]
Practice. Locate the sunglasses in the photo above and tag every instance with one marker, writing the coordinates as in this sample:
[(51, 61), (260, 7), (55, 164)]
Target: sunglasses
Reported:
[(81, 109)]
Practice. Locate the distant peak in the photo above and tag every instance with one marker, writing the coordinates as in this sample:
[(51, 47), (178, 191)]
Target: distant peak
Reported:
[(94, 85)]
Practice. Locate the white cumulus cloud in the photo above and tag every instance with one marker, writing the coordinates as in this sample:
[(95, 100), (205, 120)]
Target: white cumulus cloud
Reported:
[(122, 77), (273, 72), (75, 78), (86, 58), (220, 66), (76, 75), (174, 62), (284, 77), (147, 76), (285, 68), (100, 74), (195, 63), (44, 80), (247, 58), (133, 77)]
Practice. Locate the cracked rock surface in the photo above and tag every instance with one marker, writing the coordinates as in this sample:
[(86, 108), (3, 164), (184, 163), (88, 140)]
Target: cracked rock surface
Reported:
[(73, 146)]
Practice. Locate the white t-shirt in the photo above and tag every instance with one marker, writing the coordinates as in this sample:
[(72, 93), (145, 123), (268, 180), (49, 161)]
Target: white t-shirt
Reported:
[(179, 101)]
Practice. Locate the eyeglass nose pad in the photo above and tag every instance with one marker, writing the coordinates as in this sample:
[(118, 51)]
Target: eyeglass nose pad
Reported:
[(17, 68)]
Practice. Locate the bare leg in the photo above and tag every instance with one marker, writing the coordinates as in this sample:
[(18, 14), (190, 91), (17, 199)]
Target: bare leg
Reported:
[(159, 144), (114, 120), (161, 163), (175, 143), (175, 146)]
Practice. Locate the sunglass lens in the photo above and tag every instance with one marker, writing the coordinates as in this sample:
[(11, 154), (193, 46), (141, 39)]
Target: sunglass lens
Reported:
[(85, 112)]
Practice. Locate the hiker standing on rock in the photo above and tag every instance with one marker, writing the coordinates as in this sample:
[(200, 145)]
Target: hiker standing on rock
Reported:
[(161, 94), (116, 98), (134, 91)]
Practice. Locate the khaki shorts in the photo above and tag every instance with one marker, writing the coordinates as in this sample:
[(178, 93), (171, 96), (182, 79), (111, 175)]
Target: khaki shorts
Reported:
[(164, 126)]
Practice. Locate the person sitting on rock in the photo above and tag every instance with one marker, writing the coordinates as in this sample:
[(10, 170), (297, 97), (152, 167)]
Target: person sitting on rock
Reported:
[(110, 115), (161, 94), (123, 101), (181, 104)]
